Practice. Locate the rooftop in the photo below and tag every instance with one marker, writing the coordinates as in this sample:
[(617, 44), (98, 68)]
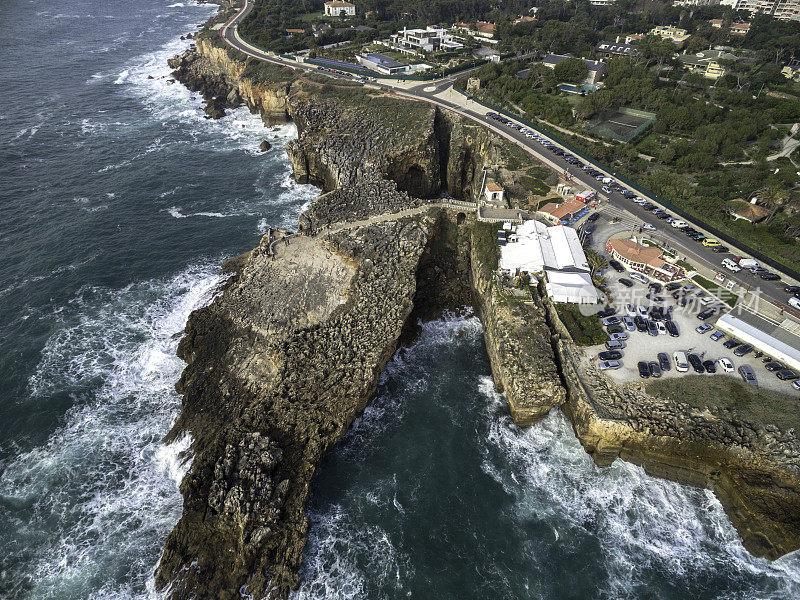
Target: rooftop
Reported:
[(615, 48), (750, 212), (630, 250), (561, 210), (384, 61), (494, 187), (338, 4)]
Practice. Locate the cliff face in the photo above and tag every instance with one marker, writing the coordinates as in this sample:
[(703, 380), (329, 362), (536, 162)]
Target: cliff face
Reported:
[(754, 470), (216, 73), (518, 342), (280, 364)]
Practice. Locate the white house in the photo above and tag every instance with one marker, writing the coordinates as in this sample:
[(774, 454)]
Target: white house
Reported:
[(339, 8), (431, 39), (494, 193)]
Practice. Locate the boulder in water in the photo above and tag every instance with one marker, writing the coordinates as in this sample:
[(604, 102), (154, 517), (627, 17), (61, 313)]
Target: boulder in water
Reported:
[(265, 146)]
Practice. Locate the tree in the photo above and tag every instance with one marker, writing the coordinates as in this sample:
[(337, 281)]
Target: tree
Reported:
[(572, 70)]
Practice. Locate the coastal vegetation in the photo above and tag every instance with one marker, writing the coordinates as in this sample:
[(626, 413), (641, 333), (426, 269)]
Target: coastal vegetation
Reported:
[(759, 404), (585, 330)]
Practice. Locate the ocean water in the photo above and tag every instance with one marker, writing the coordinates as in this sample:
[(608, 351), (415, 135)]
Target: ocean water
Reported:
[(435, 493), (118, 202)]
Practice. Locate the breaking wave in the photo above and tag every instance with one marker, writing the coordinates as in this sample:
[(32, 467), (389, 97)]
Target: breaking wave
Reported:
[(86, 513)]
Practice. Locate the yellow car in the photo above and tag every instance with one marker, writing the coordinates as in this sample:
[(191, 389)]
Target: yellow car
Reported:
[(710, 243)]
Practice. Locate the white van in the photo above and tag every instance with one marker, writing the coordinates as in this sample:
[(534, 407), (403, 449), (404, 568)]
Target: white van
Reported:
[(681, 362), (607, 180), (731, 265), (748, 263), (795, 302)]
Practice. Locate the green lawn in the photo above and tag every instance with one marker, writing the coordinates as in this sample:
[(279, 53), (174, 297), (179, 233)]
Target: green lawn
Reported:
[(717, 391), (586, 331)]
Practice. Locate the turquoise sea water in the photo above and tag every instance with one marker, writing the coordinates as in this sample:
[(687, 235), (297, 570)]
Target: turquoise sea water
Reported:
[(118, 202)]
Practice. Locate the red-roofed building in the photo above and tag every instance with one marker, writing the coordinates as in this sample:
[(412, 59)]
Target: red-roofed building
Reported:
[(644, 259)]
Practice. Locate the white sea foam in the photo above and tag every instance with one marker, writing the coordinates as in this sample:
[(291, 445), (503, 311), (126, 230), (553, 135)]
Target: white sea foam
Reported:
[(645, 524), (646, 529), (102, 492)]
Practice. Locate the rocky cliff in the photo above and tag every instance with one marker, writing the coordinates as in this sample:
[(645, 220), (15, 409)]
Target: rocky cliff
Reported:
[(752, 468), (290, 352)]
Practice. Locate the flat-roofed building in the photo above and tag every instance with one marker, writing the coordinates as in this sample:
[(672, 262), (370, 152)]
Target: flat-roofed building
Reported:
[(775, 340), (430, 39), (382, 64), (611, 49)]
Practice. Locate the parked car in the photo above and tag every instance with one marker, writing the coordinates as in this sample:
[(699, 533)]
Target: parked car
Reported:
[(615, 345), (654, 298), (795, 302), (787, 375), (610, 355), (640, 322), (644, 369), (626, 282), (709, 312), (710, 366), (619, 336), (720, 249), (681, 361), (639, 277), (662, 329), (743, 349), (663, 361), (648, 226), (679, 223), (748, 375), (607, 189), (616, 265), (725, 364), (652, 328), (642, 310), (612, 320), (607, 312), (732, 343), (629, 324), (697, 363), (655, 370), (704, 328), (796, 385), (770, 276), (792, 289), (717, 335), (608, 365), (655, 287), (672, 328), (774, 366), (612, 329), (630, 310)]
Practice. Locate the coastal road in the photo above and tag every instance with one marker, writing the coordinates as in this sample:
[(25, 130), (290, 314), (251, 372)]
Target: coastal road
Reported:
[(442, 93)]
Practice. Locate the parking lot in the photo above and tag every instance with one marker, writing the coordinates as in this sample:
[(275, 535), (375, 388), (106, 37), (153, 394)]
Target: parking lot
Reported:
[(642, 346)]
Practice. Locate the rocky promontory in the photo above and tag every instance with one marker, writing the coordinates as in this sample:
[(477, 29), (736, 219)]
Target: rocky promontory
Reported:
[(290, 352)]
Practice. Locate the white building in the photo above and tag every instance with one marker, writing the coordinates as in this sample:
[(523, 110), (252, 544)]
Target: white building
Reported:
[(554, 253), (339, 8), (777, 341), (381, 64), (494, 194), (430, 39)]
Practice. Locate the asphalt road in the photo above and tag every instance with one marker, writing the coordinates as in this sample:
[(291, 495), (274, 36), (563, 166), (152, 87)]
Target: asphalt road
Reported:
[(628, 211)]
